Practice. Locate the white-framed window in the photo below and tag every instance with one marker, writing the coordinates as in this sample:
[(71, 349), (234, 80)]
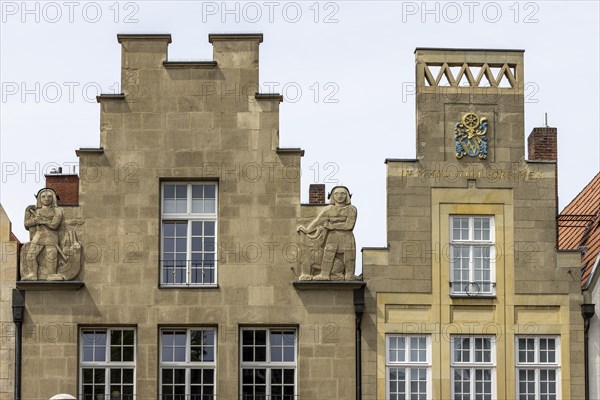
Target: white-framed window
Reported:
[(268, 360), (408, 367), (188, 360), (107, 363), (472, 255), (473, 367), (189, 234), (538, 367)]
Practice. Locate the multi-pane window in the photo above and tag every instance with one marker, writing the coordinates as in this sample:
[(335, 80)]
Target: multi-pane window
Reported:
[(187, 364), (408, 367), (538, 366), (473, 367), (107, 363), (268, 363), (189, 231), (472, 255)]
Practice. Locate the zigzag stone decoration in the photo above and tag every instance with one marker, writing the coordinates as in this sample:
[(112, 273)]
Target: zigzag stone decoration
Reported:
[(506, 71)]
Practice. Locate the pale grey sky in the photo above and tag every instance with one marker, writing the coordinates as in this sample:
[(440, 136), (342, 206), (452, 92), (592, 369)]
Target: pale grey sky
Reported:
[(345, 68)]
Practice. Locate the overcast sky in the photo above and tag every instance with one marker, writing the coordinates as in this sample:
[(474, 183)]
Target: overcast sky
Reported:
[(346, 69)]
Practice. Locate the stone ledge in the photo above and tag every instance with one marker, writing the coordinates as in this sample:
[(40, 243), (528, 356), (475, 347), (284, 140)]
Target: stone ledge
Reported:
[(109, 96), (329, 285), (386, 248), (190, 64), (89, 150), (443, 49), (161, 37), (541, 161), (269, 96), (290, 150), (392, 160), (213, 37), (51, 286)]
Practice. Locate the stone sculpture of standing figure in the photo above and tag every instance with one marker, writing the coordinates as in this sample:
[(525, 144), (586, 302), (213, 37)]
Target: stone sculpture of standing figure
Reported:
[(43, 221), (333, 228)]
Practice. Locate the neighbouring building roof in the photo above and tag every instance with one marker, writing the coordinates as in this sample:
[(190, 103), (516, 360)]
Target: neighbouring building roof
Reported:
[(579, 227)]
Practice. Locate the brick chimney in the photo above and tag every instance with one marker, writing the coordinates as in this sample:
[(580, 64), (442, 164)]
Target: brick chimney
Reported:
[(316, 194), (66, 187), (541, 144)]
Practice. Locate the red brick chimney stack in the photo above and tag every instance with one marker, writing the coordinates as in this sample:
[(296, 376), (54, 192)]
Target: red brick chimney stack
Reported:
[(316, 193), (66, 187), (541, 144)]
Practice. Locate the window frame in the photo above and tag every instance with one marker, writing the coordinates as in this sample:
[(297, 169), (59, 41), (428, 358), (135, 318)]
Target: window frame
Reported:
[(187, 365), (189, 217), (472, 365), (107, 364), (537, 366), (408, 365), (471, 243), (267, 364)]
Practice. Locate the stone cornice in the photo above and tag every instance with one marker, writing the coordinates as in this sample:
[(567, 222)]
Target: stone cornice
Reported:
[(153, 37), (213, 37)]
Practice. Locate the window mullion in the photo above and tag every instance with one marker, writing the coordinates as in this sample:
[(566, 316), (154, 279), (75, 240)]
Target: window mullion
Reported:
[(472, 361), (107, 360), (188, 345), (538, 384), (188, 199), (471, 263), (268, 381), (107, 379), (471, 228), (188, 381), (471, 382), (188, 254), (268, 364), (407, 384)]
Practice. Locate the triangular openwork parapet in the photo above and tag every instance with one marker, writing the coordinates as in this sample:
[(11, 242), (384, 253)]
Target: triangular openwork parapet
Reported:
[(469, 68)]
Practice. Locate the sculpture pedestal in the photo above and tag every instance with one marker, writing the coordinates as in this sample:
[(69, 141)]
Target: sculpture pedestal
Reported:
[(50, 285), (329, 285)]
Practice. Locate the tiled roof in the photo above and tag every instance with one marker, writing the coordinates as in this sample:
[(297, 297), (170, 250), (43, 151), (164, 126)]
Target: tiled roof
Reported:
[(579, 226)]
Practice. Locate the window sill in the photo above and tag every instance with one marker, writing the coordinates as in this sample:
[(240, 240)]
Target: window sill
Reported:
[(211, 286), (479, 296)]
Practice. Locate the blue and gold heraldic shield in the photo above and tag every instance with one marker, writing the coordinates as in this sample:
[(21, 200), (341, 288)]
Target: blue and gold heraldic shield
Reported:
[(470, 137)]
